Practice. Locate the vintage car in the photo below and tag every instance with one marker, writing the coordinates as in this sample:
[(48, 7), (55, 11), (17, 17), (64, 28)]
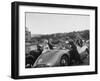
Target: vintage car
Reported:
[(32, 55), (53, 58), (59, 57)]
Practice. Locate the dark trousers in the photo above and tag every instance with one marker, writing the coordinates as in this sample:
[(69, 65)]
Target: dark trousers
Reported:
[(75, 56)]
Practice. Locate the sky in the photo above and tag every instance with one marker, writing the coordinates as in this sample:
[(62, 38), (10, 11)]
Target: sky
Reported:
[(46, 23)]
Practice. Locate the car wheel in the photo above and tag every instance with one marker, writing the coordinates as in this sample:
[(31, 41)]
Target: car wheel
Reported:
[(64, 61)]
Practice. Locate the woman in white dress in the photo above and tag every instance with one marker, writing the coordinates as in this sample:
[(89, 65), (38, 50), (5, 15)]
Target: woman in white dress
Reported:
[(45, 46)]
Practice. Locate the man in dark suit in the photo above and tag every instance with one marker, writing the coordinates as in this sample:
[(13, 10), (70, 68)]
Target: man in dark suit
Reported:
[(73, 52)]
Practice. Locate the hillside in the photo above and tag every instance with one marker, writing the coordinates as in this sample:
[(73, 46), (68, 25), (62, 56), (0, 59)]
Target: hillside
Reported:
[(57, 37)]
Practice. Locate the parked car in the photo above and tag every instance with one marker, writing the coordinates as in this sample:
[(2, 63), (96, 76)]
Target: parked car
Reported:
[(32, 55), (53, 58), (58, 57)]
